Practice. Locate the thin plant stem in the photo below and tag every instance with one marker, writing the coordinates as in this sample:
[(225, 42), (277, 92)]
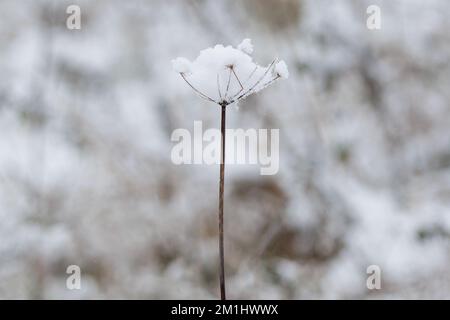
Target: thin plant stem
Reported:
[(228, 84), (221, 192), (202, 95), (239, 81), (218, 88), (257, 82)]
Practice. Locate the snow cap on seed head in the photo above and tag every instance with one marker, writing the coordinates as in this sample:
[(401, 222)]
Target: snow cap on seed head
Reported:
[(226, 75)]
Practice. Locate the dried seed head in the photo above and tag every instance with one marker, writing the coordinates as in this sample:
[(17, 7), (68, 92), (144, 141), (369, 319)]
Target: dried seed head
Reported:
[(225, 75)]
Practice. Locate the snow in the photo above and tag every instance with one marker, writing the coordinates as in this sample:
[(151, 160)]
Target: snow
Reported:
[(246, 46), (182, 65), (226, 74), (281, 70)]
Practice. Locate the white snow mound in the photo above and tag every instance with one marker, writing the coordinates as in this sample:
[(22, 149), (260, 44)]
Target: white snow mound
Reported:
[(226, 74)]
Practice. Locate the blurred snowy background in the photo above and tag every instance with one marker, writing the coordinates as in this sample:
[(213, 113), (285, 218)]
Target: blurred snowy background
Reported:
[(85, 172)]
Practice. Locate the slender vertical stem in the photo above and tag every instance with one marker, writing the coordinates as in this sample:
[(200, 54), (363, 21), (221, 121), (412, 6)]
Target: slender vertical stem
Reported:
[(221, 191)]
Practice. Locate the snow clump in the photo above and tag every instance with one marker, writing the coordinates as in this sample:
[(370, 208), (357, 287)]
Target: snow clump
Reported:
[(225, 75)]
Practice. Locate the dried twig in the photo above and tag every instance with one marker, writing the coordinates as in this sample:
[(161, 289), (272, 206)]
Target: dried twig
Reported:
[(257, 82), (221, 192), (224, 101), (228, 84), (218, 87), (240, 84), (202, 95)]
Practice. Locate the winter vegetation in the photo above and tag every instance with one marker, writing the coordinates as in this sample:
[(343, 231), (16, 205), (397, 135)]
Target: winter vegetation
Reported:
[(211, 64), (226, 75), (86, 177)]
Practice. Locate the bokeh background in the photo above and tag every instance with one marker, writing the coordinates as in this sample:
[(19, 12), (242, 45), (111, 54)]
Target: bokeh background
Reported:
[(86, 178)]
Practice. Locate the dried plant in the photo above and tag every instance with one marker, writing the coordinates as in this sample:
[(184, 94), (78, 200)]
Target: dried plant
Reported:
[(227, 75)]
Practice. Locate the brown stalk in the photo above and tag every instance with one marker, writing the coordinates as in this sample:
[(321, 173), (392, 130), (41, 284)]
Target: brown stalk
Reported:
[(221, 192)]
